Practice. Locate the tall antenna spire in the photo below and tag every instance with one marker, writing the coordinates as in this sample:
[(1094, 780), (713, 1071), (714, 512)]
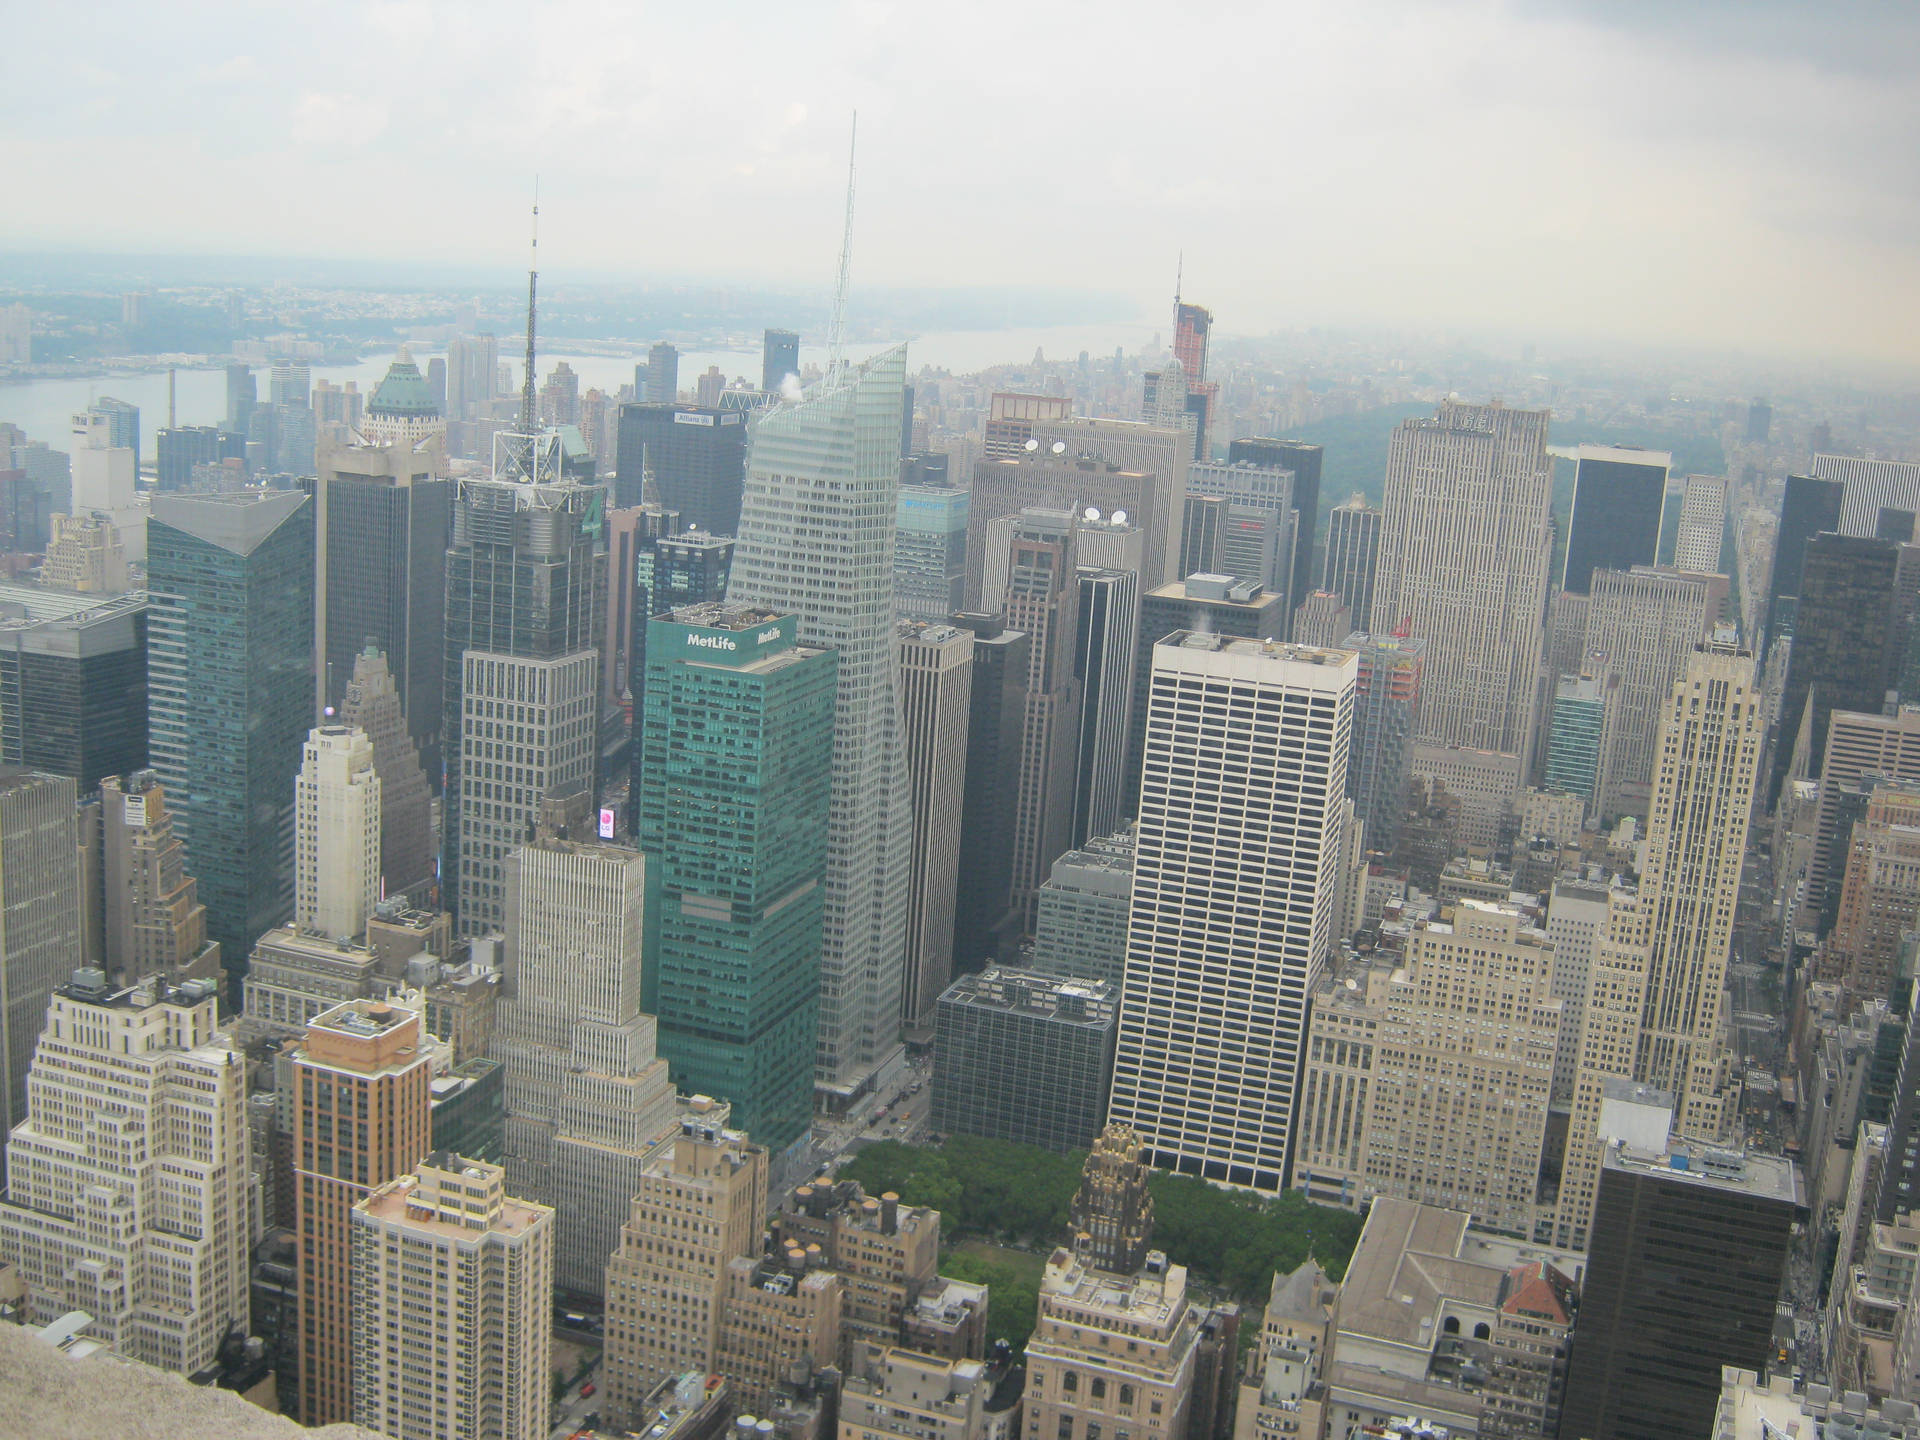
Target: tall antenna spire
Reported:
[(1179, 275), (533, 283), (837, 335)]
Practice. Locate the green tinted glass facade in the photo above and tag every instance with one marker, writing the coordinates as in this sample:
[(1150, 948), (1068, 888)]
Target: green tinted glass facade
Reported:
[(737, 750)]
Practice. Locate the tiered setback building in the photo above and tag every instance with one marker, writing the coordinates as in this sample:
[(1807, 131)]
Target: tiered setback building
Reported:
[(372, 704), (129, 1190), (700, 1204), (336, 853), (452, 1308), (587, 1099), (1246, 761), (154, 923)]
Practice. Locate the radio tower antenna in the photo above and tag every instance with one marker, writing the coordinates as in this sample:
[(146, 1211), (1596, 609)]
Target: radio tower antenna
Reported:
[(837, 335), (533, 285)]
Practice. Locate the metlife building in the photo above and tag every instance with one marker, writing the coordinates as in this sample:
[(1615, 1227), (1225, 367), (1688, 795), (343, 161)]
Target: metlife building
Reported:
[(736, 764)]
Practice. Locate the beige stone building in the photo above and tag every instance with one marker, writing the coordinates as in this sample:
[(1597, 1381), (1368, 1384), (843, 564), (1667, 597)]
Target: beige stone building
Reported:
[(896, 1394), (1281, 1397), (336, 871), (1464, 1067), (779, 1321), (701, 1202), (887, 1251), (129, 1194), (1111, 1354), (84, 554), (1336, 1084), (154, 923), (452, 1308)]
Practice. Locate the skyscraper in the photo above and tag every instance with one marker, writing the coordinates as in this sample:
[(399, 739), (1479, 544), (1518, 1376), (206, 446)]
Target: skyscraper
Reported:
[(230, 694), (39, 917), (1304, 461), (1641, 628), (736, 783), (1386, 716), (1255, 527), (1807, 506), (930, 552), (1618, 492), (526, 604), (1703, 525), (1579, 722), (675, 571), (242, 394), (1846, 644), (403, 411), (695, 455), (825, 556), (1463, 560), (336, 871), (586, 1095), (1043, 599), (779, 358), (1463, 1072), (1107, 639), (1690, 1247), (1212, 1017), (383, 514), (361, 1117), (1656, 996), (663, 373), (372, 705), (701, 1203), (936, 692), (1353, 558), (179, 449), (1871, 486), (473, 363), (1222, 604), (127, 1176), (154, 923), (442, 1255), (73, 682), (985, 924), (1321, 619)]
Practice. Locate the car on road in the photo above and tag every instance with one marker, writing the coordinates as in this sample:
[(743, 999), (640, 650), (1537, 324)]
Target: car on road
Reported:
[(586, 1390)]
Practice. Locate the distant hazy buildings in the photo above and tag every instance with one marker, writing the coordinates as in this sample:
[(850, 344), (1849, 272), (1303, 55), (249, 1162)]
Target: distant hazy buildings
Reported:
[(1352, 565), (1703, 525)]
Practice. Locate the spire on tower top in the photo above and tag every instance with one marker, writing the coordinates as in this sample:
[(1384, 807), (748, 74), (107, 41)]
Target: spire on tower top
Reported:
[(533, 282), (837, 334), (1179, 275)]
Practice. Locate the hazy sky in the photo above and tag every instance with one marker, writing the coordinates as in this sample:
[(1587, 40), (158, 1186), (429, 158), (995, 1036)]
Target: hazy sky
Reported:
[(1726, 174)]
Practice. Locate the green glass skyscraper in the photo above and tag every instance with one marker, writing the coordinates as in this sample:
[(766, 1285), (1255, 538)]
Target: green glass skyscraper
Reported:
[(230, 694), (737, 757)]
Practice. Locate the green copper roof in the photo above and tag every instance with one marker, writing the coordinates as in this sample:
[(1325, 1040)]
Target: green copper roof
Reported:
[(404, 394)]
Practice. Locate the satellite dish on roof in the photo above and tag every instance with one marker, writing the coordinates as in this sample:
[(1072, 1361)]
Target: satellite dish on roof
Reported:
[(1059, 447), (1092, 512), (1033, 444), (1119, 517)]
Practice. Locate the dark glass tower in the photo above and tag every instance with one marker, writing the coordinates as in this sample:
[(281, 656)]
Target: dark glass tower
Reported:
[(985, 922), (230, 694), (384, 518), (675, 572), (1847, 642), (180, 449), (1304, 460), (1808, 507), (526, 607), (1616, 512), (738, 736), (1688, 1253), (779, 358), (73, 686), (697, 456)]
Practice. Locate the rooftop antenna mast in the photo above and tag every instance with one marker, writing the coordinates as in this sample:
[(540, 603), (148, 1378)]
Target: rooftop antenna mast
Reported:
[(837, 335), (1179, 275), (533, 284)]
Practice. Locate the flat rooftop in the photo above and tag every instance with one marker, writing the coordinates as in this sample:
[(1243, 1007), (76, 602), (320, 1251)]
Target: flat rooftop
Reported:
[(1765, 1177)]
